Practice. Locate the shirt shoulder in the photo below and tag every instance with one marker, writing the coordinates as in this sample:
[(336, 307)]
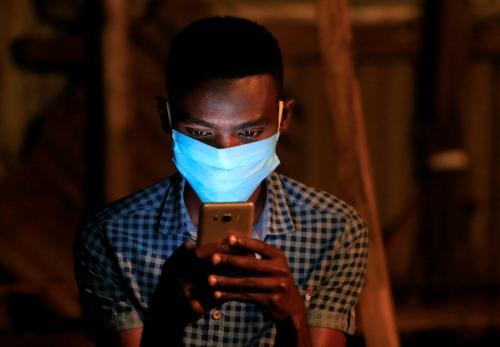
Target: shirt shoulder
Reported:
[(148, 201), (332, 241), (306, 198)]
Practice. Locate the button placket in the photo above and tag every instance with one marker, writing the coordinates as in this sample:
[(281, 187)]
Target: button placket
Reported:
[(216, 325)]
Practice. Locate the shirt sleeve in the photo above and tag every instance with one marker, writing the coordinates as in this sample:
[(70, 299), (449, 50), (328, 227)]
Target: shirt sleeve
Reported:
[(103, 293), (332, 305)]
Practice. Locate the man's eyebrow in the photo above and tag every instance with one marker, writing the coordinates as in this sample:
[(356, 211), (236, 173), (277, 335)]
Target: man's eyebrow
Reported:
[(261, 121), (194, 121), (264, 120)]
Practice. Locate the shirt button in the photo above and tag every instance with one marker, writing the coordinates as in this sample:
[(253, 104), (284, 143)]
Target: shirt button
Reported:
[(216, 314)]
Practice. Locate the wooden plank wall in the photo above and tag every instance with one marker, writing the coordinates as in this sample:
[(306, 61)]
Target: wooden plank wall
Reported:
[(23, 94), (388, 103)]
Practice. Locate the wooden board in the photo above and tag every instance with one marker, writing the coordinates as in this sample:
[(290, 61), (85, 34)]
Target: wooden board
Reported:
[(355, 174)]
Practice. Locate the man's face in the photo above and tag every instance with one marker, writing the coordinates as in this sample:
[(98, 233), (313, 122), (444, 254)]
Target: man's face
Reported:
[(225, 113)]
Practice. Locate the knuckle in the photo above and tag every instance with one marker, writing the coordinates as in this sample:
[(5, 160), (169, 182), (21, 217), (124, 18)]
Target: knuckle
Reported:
[(281, 270), (284, 285), (261, 248), (248, 282), (223, 247), (219, 281), (275, 299), (197, 253), (225, 259), (187, 292), (283, 258)]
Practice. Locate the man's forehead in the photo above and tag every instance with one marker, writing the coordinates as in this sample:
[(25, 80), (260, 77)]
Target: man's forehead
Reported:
[(247, 95), (263, 84)]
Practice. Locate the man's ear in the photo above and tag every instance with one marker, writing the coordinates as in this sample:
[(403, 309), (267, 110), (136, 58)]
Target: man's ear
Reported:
[(161, 104), (288, 106)]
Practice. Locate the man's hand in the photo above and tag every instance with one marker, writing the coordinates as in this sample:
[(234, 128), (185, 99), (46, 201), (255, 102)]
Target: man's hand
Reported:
[(270, 285), (184, 277), (182, 295)]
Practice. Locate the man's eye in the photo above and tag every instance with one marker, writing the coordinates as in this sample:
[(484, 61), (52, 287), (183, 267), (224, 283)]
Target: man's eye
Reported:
[(198, 133), (250, 133)]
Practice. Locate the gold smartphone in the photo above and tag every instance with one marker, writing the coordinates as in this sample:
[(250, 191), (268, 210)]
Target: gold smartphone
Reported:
[(219, 219)]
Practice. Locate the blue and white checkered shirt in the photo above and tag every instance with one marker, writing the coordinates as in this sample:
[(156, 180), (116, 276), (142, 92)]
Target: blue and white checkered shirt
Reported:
[(120, 253)]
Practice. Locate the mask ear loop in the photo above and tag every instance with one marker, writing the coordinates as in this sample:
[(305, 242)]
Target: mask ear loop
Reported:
[(167, 106), (280, 113)]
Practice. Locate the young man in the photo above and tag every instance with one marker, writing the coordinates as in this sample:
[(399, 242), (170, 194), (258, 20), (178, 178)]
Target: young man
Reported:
[(143, 280)]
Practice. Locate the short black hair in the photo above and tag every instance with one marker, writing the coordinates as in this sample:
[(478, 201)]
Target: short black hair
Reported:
[(221, 47)]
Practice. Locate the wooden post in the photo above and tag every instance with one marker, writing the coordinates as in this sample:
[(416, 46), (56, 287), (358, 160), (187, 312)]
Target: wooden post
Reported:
[(118, 102), (444, 231), (94, 143), (354, 174)]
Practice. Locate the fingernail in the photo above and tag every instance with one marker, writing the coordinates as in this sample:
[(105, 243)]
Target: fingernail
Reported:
[(212, 280), (217, 294), (232, 240), (216, 259)]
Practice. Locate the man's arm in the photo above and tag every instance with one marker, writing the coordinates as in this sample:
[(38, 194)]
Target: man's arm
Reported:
[(325, 337), (125, 338), (182, 295), (172, 306), (320, 337), (111, 319), (273, 288), (308, 336)]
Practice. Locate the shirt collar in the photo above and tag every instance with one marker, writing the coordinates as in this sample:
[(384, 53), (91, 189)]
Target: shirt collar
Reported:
[(280, 221), (174, 216)]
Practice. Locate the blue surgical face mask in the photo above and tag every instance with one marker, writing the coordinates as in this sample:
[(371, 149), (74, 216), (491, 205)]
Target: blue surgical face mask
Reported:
[(227, 174)]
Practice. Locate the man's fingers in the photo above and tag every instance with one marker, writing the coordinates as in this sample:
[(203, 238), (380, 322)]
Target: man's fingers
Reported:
[(207, 250), (197, 308), (266, 301), (254, 245), (189, 244), (248, 283), (250, 264)]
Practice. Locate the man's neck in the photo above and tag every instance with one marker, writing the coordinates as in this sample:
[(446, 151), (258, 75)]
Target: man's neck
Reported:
[(193, 203)]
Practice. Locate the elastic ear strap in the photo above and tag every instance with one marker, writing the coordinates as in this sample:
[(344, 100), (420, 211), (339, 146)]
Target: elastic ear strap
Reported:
[(280, 113), (167, 106)]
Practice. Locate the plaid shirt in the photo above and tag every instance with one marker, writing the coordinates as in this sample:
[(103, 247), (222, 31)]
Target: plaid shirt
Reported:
[(120, 253)]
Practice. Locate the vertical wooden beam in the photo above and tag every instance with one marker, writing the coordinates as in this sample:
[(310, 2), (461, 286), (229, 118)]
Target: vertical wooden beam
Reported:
[(494, 222), (444, 233), (91, 75), (118, 100), (354, 174)]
